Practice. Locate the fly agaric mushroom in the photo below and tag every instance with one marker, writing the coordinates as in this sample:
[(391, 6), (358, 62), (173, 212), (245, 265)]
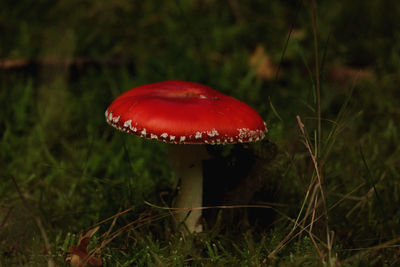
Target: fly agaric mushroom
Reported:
[(186, 115)]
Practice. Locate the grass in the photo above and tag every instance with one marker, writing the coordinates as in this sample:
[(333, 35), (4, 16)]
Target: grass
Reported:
[(327, 190)]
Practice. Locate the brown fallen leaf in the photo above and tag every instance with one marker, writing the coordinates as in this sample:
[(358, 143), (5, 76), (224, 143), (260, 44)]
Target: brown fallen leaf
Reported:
[(261, 61), (79, 256), (347, 74)]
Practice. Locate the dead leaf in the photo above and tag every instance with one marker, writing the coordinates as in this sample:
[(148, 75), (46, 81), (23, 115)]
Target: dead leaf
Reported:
[(347, 74), (262, 63), (79, 256)]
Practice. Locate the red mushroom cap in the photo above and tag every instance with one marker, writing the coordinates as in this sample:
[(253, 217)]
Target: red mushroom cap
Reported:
[(185, 113)]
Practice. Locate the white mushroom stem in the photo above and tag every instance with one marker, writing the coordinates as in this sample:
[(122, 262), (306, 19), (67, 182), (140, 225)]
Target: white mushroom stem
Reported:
[(187, 162)]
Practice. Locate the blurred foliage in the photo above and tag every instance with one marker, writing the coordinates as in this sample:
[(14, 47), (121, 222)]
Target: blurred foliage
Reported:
[(76, 171)]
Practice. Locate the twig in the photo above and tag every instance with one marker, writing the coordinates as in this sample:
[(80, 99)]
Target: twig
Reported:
[(8, 63)]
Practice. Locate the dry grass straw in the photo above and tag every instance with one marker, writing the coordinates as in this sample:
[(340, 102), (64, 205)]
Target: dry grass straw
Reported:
[(314, 206)]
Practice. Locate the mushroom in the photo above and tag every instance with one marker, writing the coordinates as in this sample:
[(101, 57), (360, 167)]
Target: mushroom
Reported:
[(186, 115)]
